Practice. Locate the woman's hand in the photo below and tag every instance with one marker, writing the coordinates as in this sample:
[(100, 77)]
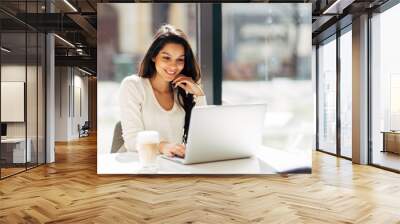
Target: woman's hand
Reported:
[(188, 85), (171, 150)]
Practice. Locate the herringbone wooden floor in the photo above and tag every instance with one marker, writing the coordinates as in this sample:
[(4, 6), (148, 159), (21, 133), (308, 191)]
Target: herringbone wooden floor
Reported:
[(70, 191)]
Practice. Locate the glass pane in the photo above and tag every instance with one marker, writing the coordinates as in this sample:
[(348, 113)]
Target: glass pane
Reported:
[(327, 97), (314, 84), (386, 89), (31, 84), (41, 98), (13, 86), (31, 100), (346, 94), (266, 61), (125, 32)]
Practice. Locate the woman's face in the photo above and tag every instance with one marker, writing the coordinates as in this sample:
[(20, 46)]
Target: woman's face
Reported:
[(170, 61)]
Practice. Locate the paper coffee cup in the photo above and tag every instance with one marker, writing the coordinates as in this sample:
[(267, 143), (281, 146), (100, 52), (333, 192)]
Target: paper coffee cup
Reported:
[(147, 145)]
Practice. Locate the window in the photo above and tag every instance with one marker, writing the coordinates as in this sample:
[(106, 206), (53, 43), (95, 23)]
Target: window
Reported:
[(327, 96), (266, 61), (346, 94), (385, 86)]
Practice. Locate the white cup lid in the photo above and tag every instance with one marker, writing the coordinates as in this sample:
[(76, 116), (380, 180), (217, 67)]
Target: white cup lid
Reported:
[(148, 137)]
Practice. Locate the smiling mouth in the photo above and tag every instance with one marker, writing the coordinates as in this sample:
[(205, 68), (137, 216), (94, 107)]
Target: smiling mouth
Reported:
[(170, 73)]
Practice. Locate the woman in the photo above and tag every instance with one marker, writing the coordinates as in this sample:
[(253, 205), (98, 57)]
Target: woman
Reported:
[(163, 94)]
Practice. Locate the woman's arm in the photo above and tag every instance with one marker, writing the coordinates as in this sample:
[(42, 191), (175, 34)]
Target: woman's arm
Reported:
[(187, 84), (131, 99), (191, 87), (200, 100)]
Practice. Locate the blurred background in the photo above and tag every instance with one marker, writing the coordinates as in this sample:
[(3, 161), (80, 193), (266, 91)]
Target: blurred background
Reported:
[(265, 58)]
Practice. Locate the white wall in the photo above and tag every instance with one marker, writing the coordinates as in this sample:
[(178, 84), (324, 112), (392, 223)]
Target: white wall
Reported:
[(71, 94), (16, 73), (33, 126), (61, 103), (80, 109)]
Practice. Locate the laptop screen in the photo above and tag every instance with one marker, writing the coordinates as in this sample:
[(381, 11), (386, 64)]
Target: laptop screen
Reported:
[(3, 129)]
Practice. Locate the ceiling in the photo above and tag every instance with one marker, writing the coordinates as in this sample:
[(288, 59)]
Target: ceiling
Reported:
[(76, 22)]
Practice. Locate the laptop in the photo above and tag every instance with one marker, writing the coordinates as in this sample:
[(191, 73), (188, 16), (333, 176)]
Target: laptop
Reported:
[(223, 133), (3, 131)]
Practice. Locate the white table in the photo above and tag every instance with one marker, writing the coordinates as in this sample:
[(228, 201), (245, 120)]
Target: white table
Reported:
[(19, 155), (266, 161)]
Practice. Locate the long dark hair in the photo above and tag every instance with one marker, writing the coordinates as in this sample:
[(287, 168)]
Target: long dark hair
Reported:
[(169, 34)]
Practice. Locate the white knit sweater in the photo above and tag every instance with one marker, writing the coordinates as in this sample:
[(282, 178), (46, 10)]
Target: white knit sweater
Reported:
[(140, 111)]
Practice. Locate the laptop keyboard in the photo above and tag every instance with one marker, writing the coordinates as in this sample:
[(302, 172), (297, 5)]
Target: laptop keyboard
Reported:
[(175, 158)]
